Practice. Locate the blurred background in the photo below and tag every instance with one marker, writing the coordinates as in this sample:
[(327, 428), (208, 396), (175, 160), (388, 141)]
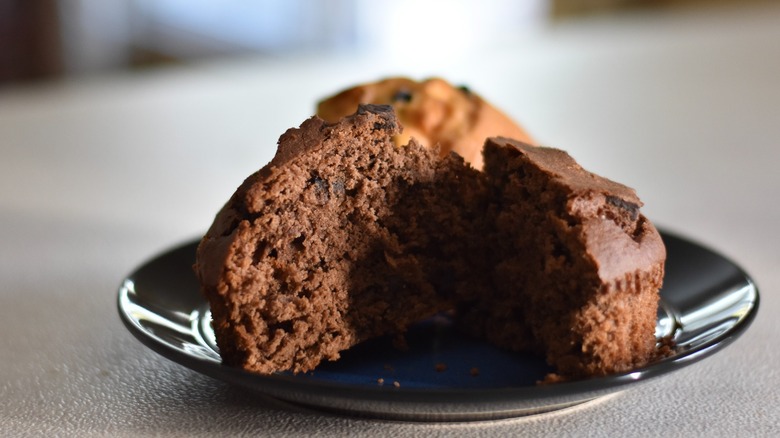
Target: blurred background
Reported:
[(45, 39)]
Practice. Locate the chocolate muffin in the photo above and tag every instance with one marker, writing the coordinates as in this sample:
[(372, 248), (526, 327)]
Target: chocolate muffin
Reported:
[(343, 237), (432, 111), (578, 267)]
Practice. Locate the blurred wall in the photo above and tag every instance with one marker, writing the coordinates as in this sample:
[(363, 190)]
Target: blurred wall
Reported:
[(49, 38), (90, 36), (29, 40)]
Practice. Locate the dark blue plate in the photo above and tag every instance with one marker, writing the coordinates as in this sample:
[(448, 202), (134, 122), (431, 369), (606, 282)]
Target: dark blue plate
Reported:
[(706, 303)]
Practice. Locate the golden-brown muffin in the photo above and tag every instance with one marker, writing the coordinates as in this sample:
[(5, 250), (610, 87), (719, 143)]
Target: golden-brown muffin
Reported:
[(432, 111)]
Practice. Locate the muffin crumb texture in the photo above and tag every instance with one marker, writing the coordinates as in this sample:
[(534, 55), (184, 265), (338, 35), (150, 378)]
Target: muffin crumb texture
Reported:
[(344, 237)]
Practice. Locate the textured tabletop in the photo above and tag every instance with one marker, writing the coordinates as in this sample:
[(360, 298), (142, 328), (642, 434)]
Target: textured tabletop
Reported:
[(98, 175)]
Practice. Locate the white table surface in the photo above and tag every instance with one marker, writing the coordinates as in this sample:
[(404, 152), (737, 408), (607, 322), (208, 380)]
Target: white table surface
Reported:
[(97, 175)]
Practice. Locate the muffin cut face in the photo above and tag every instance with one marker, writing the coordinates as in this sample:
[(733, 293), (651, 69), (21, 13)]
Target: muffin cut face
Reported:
[(344, 237)]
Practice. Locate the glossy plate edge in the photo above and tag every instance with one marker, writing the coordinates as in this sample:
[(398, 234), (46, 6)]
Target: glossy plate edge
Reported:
[(413, 404)]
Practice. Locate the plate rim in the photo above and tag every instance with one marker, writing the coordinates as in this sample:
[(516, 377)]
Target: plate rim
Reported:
[(276, 385)]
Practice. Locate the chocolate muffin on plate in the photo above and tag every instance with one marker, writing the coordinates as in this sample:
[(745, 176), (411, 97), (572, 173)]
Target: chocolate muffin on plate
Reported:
[(344, 236)]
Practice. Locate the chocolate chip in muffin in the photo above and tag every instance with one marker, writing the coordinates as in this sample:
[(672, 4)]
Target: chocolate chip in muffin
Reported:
[(402, 95)]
